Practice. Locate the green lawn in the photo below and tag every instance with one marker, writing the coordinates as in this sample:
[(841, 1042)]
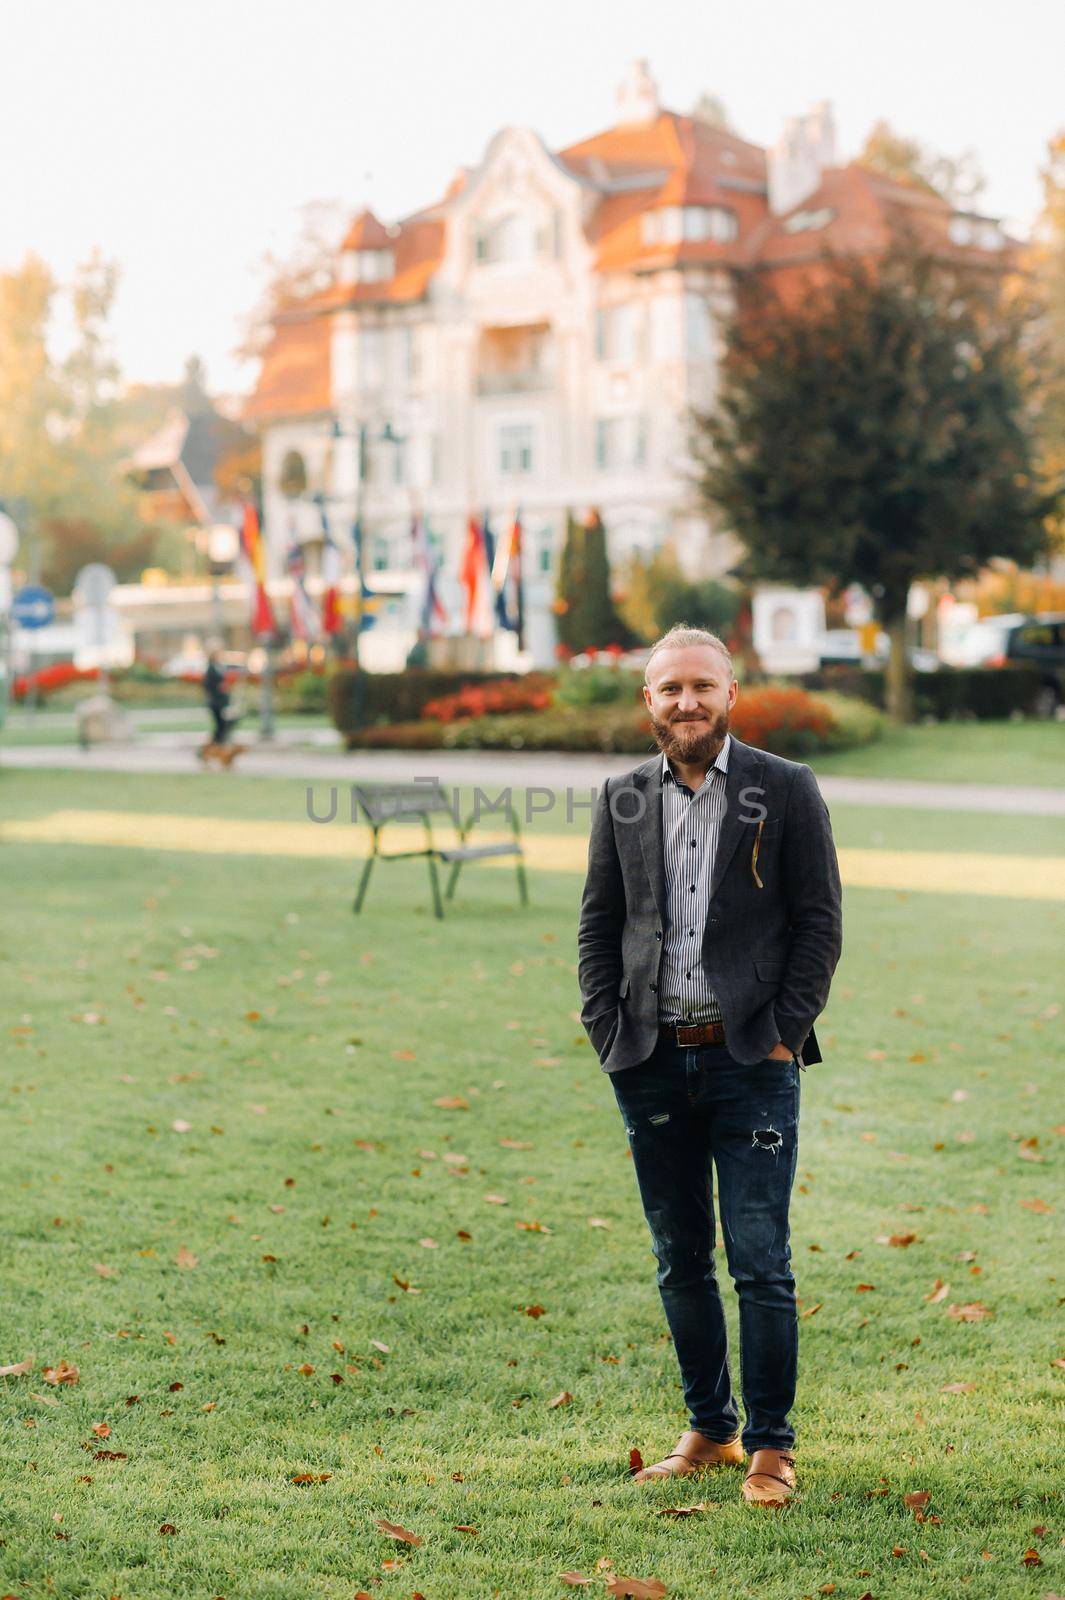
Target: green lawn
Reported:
[(959, 752), (304, 1049)]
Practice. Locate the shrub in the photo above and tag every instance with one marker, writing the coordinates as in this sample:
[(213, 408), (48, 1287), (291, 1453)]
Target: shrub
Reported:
[(478, 700), (402, 696), (51, 680), (597, 686), (787, 721)]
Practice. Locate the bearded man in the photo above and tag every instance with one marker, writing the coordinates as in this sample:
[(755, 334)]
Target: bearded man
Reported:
[(710, 928)]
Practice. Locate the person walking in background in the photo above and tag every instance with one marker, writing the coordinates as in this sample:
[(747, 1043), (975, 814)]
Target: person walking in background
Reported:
[(217, 695), (710, 928)]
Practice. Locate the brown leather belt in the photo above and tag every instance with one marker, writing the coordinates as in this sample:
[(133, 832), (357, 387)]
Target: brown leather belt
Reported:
[(694, 1033)]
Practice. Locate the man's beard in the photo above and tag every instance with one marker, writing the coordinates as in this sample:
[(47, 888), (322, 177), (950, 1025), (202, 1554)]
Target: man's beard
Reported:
[(690, 748)]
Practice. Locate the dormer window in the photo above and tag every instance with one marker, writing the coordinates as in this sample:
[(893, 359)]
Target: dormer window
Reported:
[(976, 232), (374, 266), (690, 224), (517, 236), (809, 221)]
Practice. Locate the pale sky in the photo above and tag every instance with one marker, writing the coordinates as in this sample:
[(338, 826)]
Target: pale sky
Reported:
[(183, 138)]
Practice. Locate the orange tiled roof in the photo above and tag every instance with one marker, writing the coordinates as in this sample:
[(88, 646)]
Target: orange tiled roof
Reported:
[(295, 377), (637, 168)]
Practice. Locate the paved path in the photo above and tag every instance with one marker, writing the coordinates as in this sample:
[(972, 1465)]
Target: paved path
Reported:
[(289, 757)]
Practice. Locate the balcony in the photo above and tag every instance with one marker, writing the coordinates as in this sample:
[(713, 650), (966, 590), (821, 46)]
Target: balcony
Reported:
[(528, 381)]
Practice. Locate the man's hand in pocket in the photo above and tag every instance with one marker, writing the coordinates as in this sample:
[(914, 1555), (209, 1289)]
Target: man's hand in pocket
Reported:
[(780, 1052)]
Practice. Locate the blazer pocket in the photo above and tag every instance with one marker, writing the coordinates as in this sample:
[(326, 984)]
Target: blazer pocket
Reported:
[(769, 971)]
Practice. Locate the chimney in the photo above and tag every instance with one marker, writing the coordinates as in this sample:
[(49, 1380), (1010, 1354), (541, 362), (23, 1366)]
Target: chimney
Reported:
[(797, 161), (637, 96)]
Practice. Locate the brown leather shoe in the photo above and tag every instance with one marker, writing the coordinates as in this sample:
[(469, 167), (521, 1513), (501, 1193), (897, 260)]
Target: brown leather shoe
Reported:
[(770, 1478), (694, 1453)]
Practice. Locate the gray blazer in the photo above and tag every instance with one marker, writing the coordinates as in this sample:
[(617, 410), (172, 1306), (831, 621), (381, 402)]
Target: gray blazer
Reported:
[(770, 952)]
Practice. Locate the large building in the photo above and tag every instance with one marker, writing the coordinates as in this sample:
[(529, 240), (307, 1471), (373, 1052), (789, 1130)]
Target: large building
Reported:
[(537, 336)]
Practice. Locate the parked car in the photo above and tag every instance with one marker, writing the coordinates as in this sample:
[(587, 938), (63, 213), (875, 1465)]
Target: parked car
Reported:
[(843, 646), (1038, 640)]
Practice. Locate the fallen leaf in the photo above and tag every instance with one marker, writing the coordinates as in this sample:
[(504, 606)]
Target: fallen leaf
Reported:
[(898, 1550), (306, 1369), (574, 1578), (464, 1527), (917, 1499), (104, 1271), (901, 1240), (384, 1348), (635, 1588), (938, 1292), (428, 1244), (957, 1388), (452, 1102), (635, 1460), (1032, 1558), (311, 1477), (167, 1527), (45, 1399), (686, 1511), (532, 1227), (563, 1398), (404, 1055), (598, 1222), (533, 1311), (102, 1430), (178, 1126), (17, 1369), (862, 1288), (1037, 1205), (65, 1372), (811, 1311), (975, 1311), (395, 1531), (497, 1199), (516, 1144), (185, 1258)]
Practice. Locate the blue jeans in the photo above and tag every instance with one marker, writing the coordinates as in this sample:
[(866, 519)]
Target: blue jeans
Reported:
[(683, 1109)]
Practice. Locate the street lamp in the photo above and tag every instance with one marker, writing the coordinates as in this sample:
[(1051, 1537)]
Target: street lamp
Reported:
[(361, 438)]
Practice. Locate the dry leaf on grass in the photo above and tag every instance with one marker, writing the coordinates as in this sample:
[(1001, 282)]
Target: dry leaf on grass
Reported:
[(65, 1372), (311, 1477), (574, 1578), (395, 1531), (496, 1199), (938, 1292), (635, 1460), (1032, 1558), (635, 1588), (17, 1369), (1039, 1206), (185, 1258), (563, 1398), (452, 1102), (686, 1511), (975, 1311), (956, 1388), (917, 1499)]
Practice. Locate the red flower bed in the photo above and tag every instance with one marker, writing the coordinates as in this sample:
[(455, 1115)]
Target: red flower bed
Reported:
[(771, 717), (481, 700), (47, 679)]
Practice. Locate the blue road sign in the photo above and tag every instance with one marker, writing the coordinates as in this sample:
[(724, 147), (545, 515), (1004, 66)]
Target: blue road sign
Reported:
[(33, 606)]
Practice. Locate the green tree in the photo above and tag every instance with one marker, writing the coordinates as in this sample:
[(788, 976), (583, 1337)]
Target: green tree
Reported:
[(879, 433), (586, 617), (657, 596)]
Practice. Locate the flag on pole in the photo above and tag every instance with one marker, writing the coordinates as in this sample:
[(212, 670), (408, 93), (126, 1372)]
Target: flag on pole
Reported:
[(332, 621), (506, 581), (475, 578), (367, 603), (427, 563), (254, 553), (306, 623)]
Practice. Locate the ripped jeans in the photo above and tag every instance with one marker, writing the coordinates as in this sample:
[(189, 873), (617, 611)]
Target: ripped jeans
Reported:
[(683, 1109)]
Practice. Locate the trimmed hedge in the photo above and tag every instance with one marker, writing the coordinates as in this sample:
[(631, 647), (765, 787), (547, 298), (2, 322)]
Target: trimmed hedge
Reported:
[(787, 722), (401, 696), (953, 693)]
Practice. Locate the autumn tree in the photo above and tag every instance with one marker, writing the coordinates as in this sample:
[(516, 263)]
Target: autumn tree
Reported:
[(657, 595), (879, 433), (1047, 263), (957, 179)]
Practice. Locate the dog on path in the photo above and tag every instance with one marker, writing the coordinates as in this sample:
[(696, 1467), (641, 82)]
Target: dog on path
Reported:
[(223, 754)]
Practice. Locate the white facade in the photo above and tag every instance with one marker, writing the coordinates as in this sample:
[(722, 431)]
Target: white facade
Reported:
[(525, 378)]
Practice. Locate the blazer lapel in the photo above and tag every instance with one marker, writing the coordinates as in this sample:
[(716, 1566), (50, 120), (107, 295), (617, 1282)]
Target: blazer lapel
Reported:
[(648, 780), (745, 769)]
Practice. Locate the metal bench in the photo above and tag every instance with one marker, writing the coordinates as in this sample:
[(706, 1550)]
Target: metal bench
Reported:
[(385, 803)]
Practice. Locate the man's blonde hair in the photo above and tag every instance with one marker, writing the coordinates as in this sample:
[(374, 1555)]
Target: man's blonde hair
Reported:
[(681, 637)]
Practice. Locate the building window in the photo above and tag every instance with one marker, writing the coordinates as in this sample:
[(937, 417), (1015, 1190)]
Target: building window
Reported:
[(372, 358), (693, 224), (373, 266), (809, 221), (698, 328), (620, 443), (379, 552), (977, 232), (399, 462), (515, 449), (619, 333)]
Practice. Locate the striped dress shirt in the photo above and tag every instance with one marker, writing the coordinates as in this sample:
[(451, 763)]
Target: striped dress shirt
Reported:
[(691, 826)]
